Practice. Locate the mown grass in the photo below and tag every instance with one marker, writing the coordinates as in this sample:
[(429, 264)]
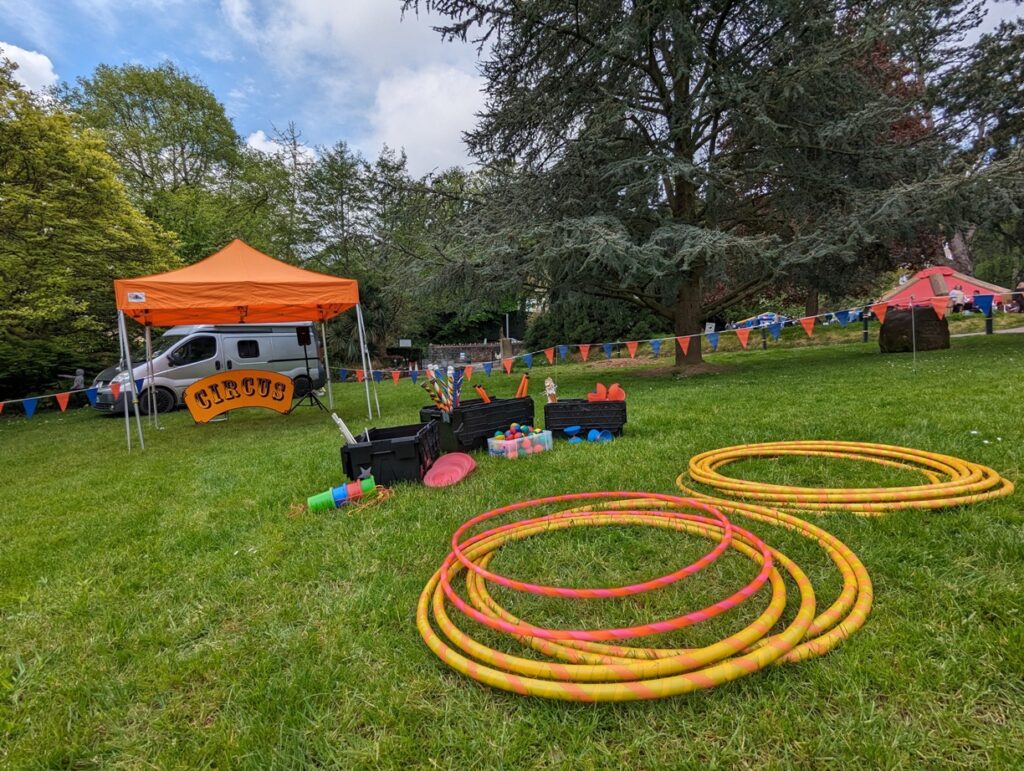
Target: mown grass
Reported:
[(161, 608)]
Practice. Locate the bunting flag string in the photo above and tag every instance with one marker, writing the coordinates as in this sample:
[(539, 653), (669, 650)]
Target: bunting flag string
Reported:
[(939, 304), (879, 310)]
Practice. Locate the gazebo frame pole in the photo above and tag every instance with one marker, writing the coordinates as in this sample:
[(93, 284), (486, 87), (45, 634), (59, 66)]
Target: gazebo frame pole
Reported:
[(123, 330), (327, 365), (154, 418), (364, 358)]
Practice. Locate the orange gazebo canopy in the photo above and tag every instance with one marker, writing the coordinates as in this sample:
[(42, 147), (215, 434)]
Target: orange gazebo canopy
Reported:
[(236, 285)]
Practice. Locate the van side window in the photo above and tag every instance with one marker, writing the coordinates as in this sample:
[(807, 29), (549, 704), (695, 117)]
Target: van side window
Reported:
[(197, 349), (248, 349)]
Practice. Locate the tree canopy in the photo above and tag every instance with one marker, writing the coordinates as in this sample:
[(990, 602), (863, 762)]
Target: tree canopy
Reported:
[(686, 155), (67, 230)]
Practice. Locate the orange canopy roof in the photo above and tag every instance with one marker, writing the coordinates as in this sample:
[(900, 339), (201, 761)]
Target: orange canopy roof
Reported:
[(235, 285)]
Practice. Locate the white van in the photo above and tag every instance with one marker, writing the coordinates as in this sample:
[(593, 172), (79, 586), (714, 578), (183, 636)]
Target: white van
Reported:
[(183, 355)]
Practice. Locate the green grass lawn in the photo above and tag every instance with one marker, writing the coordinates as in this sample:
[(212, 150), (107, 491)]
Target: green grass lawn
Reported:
[(161, 609)]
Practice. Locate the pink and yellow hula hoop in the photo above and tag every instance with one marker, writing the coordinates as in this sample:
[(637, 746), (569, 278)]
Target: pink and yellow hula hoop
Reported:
[(587, 665)]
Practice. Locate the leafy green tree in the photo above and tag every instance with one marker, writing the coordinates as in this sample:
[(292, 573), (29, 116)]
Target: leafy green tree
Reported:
[(164, 128), (67, 230), (682, 156)]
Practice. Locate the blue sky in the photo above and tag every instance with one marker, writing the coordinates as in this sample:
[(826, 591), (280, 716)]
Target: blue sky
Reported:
[(349, 70)]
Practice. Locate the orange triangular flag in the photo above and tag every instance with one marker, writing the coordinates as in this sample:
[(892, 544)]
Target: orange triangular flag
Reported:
[(585, 352), (879, 310), (940, 304), (62, 400), (2, 406), (507, 364), (684, 344), (360, 375), (743, 333), (631, 347), (550, 353), (468, 372), (808, 325), (395, 374), (115, 389)]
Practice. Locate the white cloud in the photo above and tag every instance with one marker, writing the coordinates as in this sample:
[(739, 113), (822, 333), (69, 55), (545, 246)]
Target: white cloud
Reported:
[(425, 112), (258, 140), (369, 66), (35, 70)]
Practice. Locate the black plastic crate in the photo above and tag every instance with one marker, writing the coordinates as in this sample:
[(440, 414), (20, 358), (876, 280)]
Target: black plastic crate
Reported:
[(396, 454), (604, 416), (473, 422)]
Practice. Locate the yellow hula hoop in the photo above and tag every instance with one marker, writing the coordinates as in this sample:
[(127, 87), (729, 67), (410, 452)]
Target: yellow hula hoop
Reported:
[(951, 481)]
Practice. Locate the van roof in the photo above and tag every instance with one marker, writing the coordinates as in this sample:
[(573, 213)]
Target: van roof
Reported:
[(282, 326)]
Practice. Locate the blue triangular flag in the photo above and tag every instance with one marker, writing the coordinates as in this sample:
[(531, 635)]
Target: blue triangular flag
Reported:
[(983, 302), (656, 347), (138, 385), (775, 330), (30, 406), (528, 360), (414, 373), (487, 368), (377, 375), (607, 350), (563, 351), (713, 340), (843, 317), (90, 394), (343, 375)]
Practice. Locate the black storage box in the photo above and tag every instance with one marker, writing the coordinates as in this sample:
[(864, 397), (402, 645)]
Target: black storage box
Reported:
[(473, 422), (396, 454), (604, 416)]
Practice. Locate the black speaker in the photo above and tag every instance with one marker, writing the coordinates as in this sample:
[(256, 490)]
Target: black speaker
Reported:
[(302, 335)]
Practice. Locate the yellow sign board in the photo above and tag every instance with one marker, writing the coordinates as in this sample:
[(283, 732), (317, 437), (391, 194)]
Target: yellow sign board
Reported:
[(217, 394)]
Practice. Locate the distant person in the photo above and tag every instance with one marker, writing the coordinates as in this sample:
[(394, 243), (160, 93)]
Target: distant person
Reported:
[(1018, 296), (957, 299)]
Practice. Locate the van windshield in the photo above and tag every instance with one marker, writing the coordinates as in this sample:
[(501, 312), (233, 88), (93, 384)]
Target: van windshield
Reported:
[(165, 343)]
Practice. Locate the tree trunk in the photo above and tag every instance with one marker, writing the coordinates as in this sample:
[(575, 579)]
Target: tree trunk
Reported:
[(811, 303), (960, 249), (687, 320)]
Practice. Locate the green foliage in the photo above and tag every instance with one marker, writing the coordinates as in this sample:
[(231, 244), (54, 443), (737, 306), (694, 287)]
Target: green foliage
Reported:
[(67, 230), (578, 317), (163, 127)]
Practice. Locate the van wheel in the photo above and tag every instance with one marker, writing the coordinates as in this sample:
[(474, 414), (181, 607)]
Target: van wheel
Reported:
[(302, 386), (163, 398)]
